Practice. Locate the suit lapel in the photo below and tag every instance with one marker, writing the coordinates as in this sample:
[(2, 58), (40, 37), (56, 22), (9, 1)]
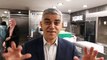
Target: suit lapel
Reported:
[(40, 50), (60, 50)]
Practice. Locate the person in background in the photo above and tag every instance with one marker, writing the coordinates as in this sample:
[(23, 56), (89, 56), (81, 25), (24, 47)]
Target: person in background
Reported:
[(37, 33), (3, 29), (3, 32), (49, 46), (12, 33), (3, 23)]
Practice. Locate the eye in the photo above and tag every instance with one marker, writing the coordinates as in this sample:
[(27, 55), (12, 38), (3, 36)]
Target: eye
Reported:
[(57, 22), (47, 22)]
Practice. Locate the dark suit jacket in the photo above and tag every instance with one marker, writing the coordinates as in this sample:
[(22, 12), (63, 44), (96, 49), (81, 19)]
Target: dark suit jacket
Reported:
[(65, 49), (14, 37)]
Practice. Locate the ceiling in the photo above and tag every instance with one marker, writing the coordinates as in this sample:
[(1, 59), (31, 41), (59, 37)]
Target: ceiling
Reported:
[(40, 5)]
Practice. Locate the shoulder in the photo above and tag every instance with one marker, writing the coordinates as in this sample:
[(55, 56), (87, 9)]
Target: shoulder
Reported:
[(33, 42), (32, 45), (65, 43)]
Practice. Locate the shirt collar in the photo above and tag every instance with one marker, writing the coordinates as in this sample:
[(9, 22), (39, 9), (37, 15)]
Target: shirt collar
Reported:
[(45, 42)]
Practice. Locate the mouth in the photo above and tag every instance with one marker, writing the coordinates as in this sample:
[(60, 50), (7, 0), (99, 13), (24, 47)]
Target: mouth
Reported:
[(51, 31)]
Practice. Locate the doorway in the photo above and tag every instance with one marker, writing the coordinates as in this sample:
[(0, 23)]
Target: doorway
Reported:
[(90, 28), (23, 24)]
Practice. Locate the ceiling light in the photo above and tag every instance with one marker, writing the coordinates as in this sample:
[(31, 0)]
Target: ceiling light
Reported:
[(68, 0), (60, 4), (69, 11), (54, 7), (105, 22), (84, 6), (19, 12), (5, 12)]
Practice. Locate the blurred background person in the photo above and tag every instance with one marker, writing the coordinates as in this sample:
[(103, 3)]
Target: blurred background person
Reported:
[(3, 29), (12, 33)]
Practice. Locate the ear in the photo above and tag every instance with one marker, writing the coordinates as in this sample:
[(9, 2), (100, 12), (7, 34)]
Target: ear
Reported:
[(41, 24), (62, 25)]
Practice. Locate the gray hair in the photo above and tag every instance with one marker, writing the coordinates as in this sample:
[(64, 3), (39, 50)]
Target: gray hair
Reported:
[(52, 11)]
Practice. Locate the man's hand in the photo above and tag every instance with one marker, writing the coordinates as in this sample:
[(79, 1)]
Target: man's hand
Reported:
[(89, 55), (15, 53)]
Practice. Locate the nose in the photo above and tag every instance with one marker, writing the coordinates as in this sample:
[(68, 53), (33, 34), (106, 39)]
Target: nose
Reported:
[(52, 25)]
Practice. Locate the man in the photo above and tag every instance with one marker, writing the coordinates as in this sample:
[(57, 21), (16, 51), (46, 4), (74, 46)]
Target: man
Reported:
[(49, 46)]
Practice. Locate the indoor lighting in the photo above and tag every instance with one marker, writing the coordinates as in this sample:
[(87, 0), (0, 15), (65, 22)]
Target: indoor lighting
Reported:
[(105, 22), (68, 0), (60, 4), (19, 12), (84, 6), (69, 11), (5, 12), (54, 7)]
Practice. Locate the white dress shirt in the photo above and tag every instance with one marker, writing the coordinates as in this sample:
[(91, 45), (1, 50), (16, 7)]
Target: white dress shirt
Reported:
[(50, 50)]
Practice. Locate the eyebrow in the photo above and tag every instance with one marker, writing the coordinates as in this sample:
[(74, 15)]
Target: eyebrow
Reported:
[(46, 19), (57, 20)]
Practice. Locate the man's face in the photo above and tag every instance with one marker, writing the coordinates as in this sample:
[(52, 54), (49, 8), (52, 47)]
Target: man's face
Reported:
[(51, 25)]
